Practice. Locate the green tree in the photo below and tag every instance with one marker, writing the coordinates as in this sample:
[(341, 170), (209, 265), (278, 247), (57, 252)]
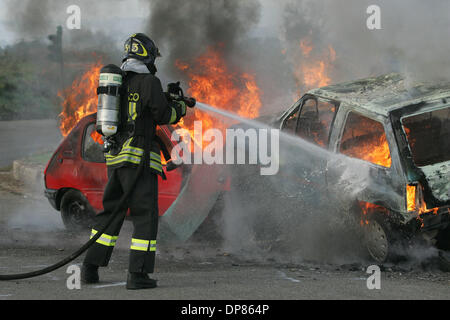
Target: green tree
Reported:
[(27, 83)]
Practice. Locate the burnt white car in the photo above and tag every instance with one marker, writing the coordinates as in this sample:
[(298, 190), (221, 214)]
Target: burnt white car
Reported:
[(385, 159)]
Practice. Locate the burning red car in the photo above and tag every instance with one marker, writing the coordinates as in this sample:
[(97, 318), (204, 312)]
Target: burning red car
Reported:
[(76, 175)]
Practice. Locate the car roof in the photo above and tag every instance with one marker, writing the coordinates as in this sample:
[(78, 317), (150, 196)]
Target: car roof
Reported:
[(385, 93)]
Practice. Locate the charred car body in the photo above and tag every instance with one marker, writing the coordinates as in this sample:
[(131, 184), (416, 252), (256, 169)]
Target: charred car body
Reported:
[(380, 152)]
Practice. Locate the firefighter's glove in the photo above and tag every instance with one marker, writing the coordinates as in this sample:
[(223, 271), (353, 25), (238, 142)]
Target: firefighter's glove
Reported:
[(181, 108)]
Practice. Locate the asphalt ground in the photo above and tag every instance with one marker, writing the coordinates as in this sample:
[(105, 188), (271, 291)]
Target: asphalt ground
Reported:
[(32, 236)]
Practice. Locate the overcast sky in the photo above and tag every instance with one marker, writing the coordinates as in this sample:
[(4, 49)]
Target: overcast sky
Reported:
[(124, 17)]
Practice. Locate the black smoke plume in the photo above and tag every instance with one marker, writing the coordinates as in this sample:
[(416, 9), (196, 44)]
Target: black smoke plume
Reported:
[(186, 28)]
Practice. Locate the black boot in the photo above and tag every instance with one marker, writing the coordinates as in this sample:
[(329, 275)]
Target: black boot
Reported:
[(140, 281), (89, 273)]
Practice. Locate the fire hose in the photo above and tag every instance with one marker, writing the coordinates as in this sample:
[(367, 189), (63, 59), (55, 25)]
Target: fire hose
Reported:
[(89, 243), (143, 164)]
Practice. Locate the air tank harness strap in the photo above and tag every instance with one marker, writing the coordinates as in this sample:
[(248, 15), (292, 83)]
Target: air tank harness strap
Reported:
[(163, 148), (110, 90)]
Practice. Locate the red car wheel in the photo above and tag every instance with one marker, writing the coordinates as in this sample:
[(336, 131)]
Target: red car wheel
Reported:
[(75, 211)]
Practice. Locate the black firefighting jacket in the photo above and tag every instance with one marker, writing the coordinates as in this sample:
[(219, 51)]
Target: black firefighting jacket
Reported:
[(143, 103)]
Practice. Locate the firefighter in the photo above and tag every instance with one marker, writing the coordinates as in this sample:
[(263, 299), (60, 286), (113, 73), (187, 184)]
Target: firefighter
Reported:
[(143, 106)]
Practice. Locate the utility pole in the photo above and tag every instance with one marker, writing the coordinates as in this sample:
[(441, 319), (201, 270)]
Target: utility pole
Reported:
[(56, 53), (209, 13)]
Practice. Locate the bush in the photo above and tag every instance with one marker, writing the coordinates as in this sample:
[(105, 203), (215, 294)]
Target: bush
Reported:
[(27, 83)]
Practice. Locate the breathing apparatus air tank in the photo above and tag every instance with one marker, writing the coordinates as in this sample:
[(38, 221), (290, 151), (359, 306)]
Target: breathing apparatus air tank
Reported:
[(108, 107)]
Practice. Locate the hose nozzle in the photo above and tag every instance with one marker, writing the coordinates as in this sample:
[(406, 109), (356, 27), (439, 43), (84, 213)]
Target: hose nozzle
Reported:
[(174, 91), (190, 102)]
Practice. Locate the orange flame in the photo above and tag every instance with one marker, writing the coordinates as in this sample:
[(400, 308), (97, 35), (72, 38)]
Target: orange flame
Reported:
[(306, 47), (375, 150), (411, 203), (211, 82), (411, 197), (367, 209), (312, 70), (80, 99), (97, 137), (379, 153)]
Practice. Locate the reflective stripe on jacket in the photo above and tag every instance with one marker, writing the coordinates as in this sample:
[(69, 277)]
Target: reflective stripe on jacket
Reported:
[(134, 155)]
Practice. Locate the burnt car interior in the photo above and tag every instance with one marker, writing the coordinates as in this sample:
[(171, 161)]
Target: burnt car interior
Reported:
[(92, 151), (365, 139), (428, 136), (314, 121)]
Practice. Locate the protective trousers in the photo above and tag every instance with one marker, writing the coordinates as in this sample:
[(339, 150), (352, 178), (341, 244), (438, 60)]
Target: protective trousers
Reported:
[(143, 205)]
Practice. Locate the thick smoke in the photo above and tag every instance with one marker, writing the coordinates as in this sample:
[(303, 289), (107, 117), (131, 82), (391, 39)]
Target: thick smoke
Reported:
[(412, 38), (286, 209), (185, 29), (277, 212), (30, 18), (289, 217)]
